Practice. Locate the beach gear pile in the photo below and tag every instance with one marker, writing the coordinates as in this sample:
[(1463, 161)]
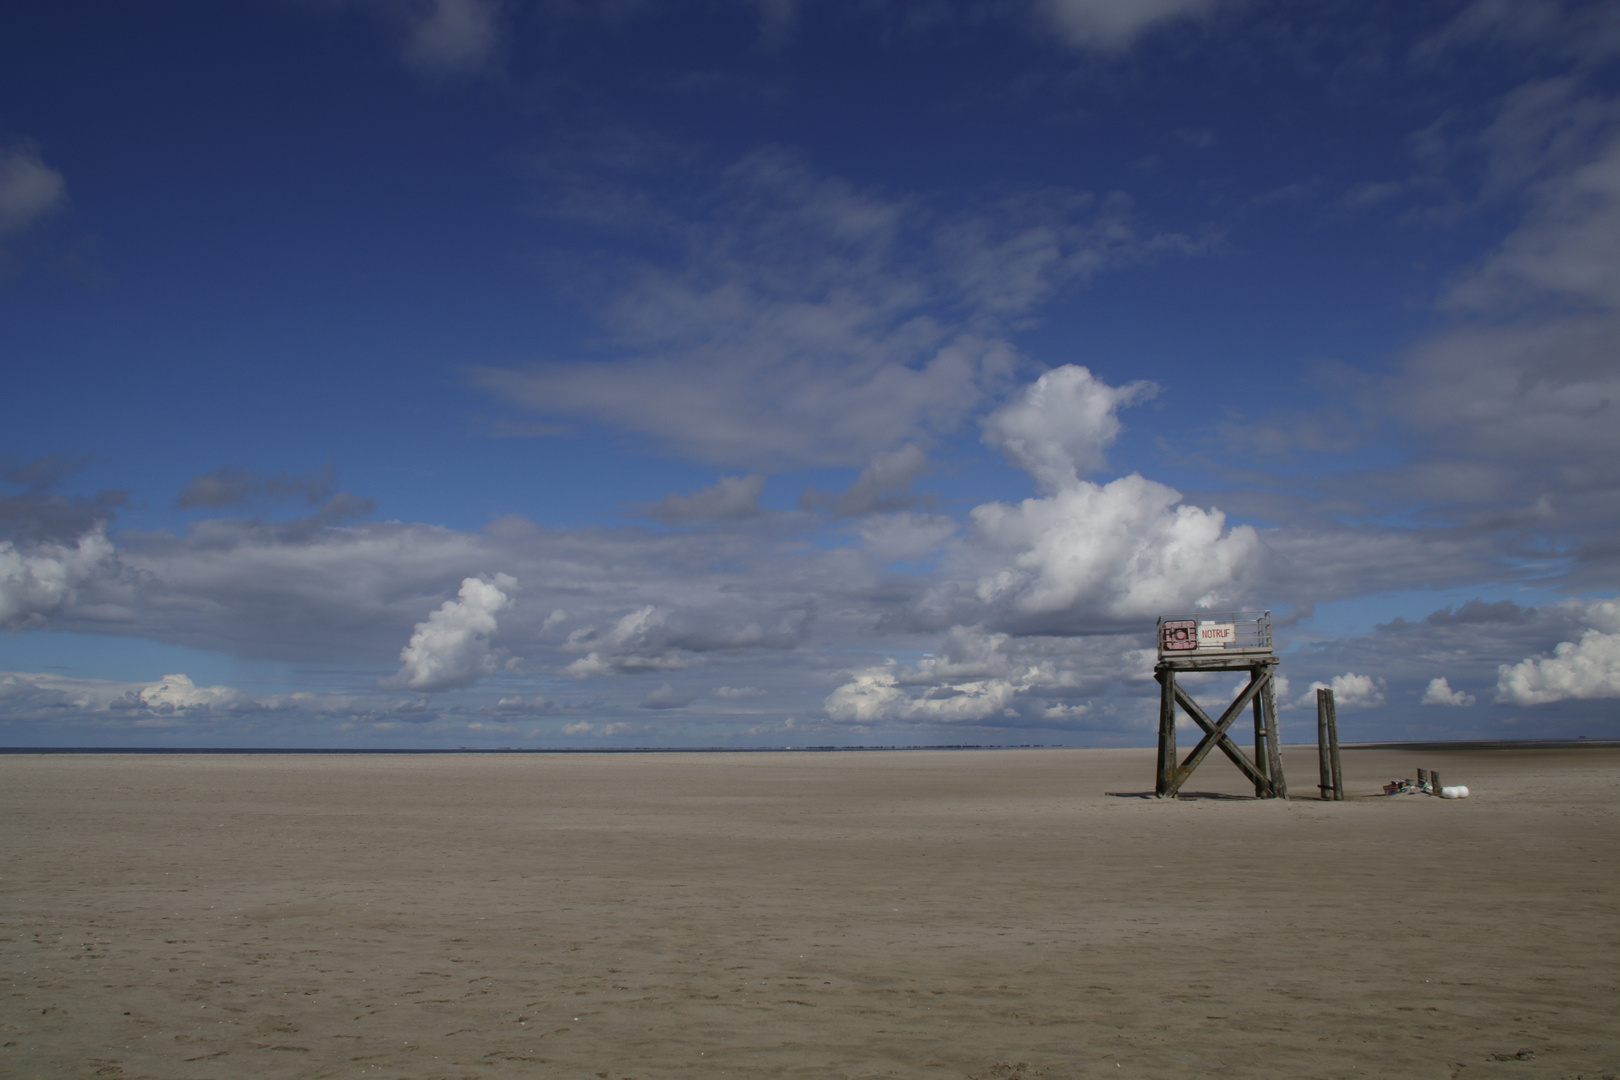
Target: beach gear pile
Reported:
[(1427, 783)]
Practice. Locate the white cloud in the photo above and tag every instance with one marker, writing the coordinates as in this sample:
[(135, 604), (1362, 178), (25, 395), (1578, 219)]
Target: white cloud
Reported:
[(30, 190), (1520, 399), (1127, 549), (737, 693), (39, 580), (1086, 551), (875, 695), (585, 727), (637, 642), (178, 692), (1439, 692), (1115, 24), (654, 638), (596, 666), (666, 697), (38, 695), (451, 647), (1586, 669), (796, 319), (227, 486), (978, 675), (1350, 691), (457, 36), (1059, 426), (884, 484)]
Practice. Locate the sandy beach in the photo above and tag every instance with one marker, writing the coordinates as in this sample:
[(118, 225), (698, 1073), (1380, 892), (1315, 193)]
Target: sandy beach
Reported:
[(938, 914)]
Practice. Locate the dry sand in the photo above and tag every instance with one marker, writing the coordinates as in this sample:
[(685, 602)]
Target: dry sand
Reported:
[(900, 914)]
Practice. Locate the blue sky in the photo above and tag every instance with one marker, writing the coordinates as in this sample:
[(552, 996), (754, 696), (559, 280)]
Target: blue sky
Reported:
[(501, 373)]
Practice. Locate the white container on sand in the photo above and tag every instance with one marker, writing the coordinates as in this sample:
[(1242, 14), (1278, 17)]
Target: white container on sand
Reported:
[(1458, 792)]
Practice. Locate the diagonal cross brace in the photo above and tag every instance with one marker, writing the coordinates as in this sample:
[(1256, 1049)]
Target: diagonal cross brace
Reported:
[(1215, 736)]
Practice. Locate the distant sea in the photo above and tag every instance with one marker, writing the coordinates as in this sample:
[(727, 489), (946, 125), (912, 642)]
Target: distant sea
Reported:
[(503, 749)]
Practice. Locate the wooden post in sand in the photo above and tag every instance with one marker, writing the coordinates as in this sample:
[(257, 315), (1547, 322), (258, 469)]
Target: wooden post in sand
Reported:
[(1333, 749), (1327, 747), (1324, 757), (1206, 641)]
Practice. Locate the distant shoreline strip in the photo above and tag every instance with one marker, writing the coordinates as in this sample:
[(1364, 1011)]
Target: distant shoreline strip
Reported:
[(1491, 744), (1497, 744)]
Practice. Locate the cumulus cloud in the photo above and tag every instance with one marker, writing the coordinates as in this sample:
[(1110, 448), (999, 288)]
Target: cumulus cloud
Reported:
[(1115, 24), (177, 693), (1589, 668), (1439, 692), (41, 579), (30, 190), (732, 498), (1087, 554), (1128, 549), (451, 647), (1059, 426), (1350, 691)]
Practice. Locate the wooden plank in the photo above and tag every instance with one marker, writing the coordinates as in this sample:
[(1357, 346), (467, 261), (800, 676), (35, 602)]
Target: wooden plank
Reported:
[(1167, 731), (1226, 660)]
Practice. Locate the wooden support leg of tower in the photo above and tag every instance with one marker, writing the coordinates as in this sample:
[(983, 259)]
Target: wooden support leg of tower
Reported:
[(1268, 697), (1262, 786), (1167, 732)]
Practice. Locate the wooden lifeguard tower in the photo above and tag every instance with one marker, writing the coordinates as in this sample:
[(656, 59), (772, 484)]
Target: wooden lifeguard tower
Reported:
[(1219, 641)]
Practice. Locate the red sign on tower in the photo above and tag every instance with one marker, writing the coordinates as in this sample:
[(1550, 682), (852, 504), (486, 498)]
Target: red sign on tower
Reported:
[(1178, 635)]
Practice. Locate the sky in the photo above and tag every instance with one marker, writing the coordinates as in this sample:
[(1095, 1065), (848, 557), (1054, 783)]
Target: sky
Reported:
[(543, 373)]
